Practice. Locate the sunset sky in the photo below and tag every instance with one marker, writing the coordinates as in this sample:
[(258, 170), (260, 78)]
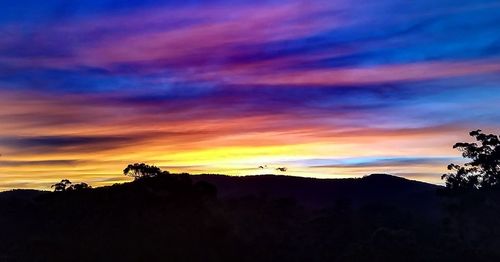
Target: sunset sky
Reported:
[(329, 89)]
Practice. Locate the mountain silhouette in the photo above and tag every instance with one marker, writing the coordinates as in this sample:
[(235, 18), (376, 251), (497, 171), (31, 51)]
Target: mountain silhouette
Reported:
[(181, 217)]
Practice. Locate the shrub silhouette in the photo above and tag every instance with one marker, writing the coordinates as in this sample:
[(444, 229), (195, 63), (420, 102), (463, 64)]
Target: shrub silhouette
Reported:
[(483, 171)]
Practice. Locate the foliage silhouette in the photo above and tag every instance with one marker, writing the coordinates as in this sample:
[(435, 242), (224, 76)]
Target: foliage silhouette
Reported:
[(281, 169), (66, 185), (61, 186), (483, 171), (78, 187), (141, 170)]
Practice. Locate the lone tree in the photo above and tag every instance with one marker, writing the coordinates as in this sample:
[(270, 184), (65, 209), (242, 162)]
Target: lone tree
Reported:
[(483, 171), (138, 171)]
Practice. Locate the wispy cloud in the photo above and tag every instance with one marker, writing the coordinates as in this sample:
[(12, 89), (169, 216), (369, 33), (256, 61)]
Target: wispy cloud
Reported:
[(378, 162)]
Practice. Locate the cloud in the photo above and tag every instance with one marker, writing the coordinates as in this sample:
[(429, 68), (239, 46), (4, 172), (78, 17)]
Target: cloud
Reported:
[(204, 42), (56, 143), (23, 163), (380, 162)]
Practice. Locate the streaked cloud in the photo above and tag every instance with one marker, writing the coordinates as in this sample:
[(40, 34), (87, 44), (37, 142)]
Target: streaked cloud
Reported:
[(89, 86)]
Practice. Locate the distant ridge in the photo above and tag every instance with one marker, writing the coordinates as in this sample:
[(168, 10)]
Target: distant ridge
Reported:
[(309, 192), (315, 192), (21, 194)]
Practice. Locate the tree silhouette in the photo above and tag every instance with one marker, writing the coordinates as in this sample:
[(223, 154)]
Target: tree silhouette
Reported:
[(66, 185), (61, 186), (78, 187), (138, 171), (282, 169), (483, 171)]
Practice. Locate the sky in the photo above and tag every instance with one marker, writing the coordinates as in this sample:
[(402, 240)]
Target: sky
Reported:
[(328, 89)]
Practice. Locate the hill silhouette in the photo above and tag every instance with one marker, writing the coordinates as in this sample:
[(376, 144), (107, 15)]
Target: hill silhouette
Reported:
[(320, 193), (178, 217), (21, 194)]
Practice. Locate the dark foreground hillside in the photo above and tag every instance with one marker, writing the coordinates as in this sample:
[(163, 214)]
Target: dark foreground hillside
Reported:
[(260, 218)]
